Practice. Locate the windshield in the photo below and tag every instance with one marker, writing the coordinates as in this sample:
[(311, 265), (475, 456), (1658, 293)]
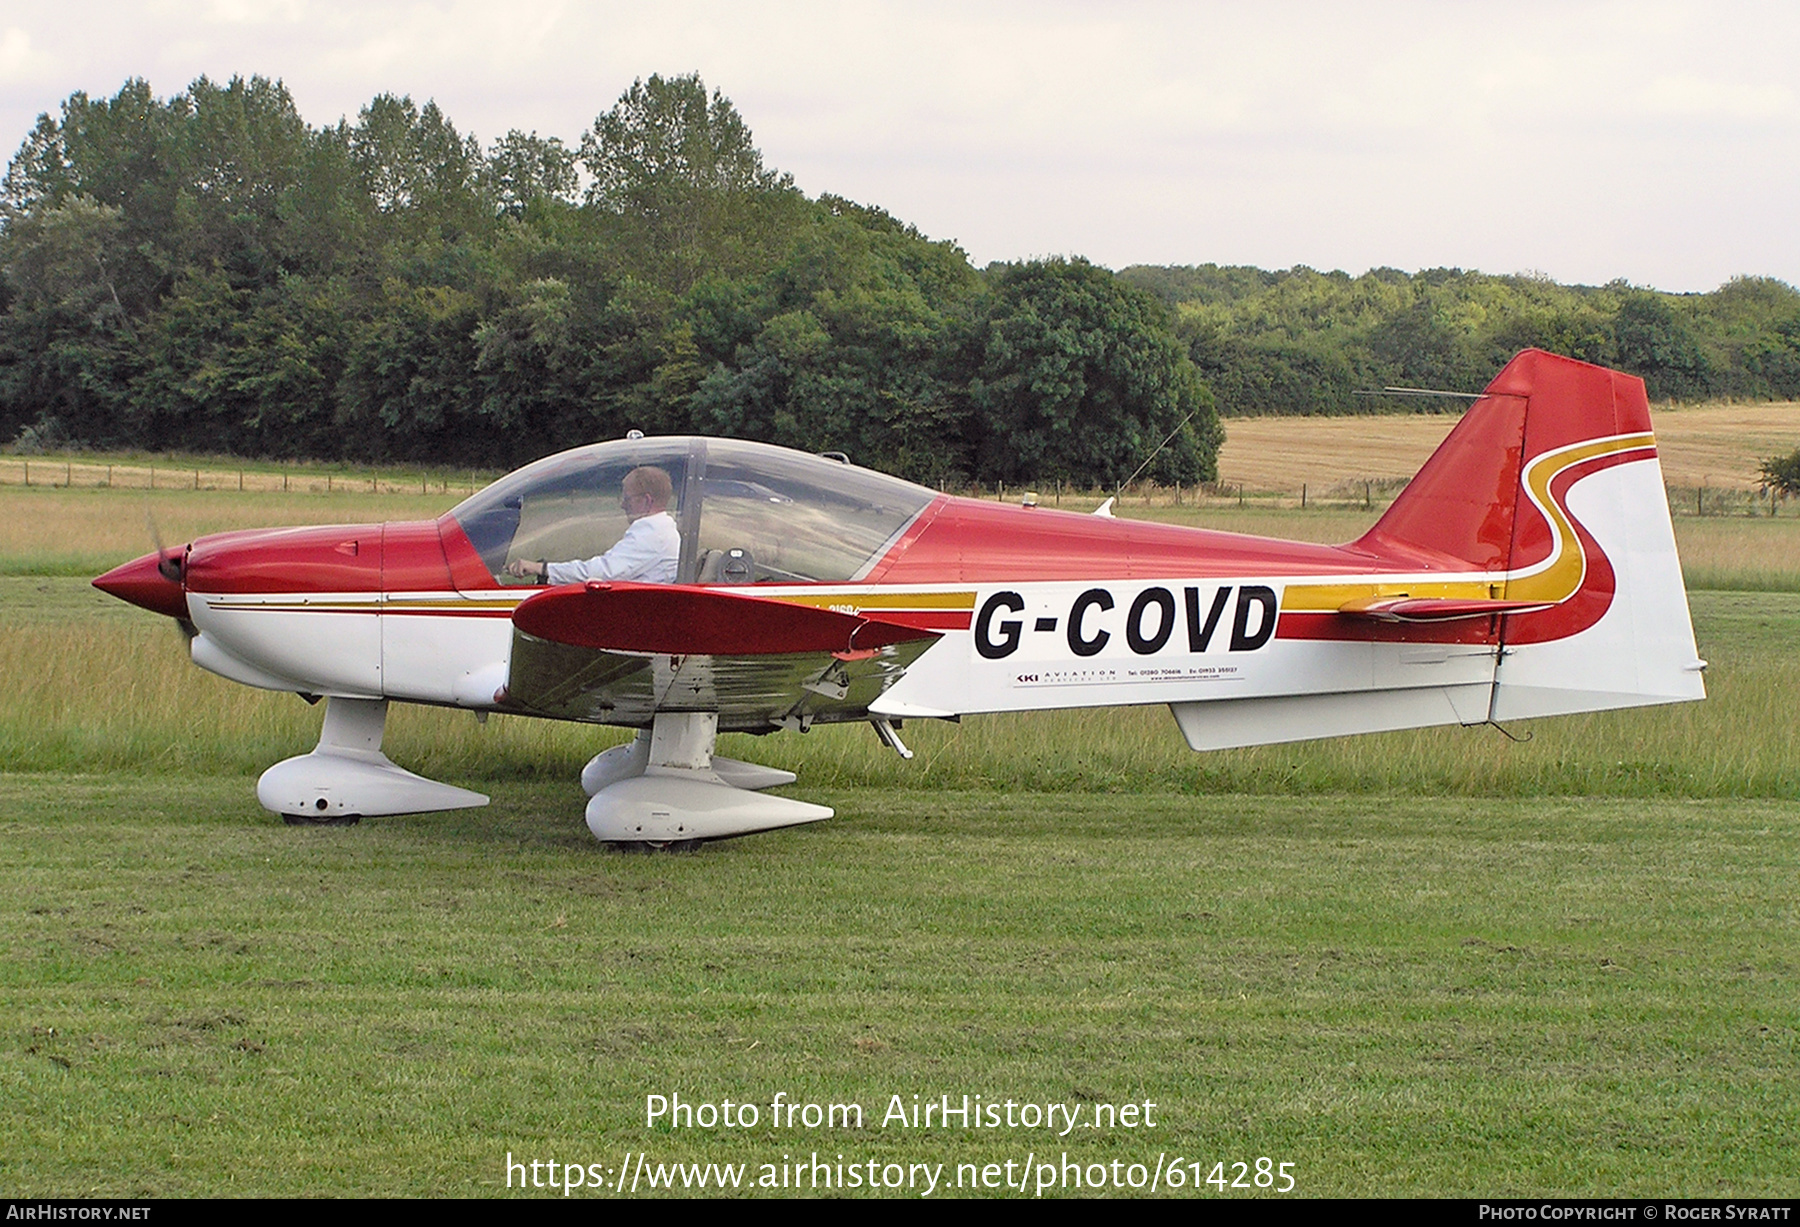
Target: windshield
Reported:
[(747, 512), (799, 518), (565, 506)]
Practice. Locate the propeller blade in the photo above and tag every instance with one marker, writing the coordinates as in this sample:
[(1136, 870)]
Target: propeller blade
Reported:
[(171, 562)]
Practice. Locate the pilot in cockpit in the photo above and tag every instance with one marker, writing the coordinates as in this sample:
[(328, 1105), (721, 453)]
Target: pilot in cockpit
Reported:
[(648, 553)]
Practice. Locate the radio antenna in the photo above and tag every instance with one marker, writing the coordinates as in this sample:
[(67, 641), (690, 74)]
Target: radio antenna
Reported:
[(1153, 455), (1419, 392)]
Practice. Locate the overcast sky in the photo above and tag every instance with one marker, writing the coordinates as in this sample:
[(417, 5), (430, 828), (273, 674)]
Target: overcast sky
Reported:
[(1658, 142)]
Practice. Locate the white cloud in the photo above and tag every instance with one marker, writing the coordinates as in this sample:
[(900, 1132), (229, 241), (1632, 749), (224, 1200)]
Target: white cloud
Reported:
[(1592, 139), (19, 61), (1689, 95), (254, 12)]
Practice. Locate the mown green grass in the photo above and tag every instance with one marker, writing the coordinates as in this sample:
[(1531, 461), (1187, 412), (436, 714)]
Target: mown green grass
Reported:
[(1397, 995), (1424, 963)]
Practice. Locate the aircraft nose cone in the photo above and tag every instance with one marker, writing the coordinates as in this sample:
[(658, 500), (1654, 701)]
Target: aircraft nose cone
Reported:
[(145, 583)]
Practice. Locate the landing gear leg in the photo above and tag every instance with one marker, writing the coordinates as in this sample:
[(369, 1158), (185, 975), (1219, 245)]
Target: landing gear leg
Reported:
[(347, 777), (683, 795)]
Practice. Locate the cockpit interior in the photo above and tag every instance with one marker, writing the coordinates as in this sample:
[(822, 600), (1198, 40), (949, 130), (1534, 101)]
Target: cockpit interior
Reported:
[(749, 513)]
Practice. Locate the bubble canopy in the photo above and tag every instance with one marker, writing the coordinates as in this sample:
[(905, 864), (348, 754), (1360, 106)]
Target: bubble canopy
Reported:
[(748, 512)]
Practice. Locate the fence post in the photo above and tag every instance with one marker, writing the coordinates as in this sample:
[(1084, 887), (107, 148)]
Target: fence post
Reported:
[(28, 474), (1303, 496)]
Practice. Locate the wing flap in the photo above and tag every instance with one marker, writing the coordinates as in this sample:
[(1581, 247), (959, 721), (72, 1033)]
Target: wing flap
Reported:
[(750, 693)]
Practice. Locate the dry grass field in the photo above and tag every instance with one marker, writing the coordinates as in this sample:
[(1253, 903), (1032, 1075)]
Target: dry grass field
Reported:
[(1719, 446), (84, 531), (1716, 446)]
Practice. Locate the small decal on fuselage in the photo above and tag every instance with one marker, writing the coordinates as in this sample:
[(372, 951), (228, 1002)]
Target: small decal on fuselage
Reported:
[(1092, 675)]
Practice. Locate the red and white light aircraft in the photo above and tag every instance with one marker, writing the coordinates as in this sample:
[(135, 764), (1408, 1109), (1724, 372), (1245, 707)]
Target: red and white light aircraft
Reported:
[(1528, 570)]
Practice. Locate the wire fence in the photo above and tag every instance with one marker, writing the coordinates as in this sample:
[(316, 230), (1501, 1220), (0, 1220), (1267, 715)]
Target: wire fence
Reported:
[(1371, 494), (66, 472)]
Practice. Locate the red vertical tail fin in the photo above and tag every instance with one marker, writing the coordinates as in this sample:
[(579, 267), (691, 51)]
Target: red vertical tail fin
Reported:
[(1469, 504)]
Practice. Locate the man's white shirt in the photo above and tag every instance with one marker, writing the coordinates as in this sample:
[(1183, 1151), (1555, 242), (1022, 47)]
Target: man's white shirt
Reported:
[(648, 553)]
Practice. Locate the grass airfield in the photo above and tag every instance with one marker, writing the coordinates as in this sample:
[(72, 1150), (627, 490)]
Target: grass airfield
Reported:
[(1422, 963)]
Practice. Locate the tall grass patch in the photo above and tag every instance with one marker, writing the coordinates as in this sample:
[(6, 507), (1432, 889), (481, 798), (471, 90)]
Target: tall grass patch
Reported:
[(99, 686)]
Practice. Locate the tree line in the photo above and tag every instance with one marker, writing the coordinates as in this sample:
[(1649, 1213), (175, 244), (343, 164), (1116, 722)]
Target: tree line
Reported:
[(208, 272), (1303, 341)]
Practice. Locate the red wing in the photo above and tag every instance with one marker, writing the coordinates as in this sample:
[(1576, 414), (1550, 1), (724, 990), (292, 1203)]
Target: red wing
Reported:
[(682, 620), (618, 653)]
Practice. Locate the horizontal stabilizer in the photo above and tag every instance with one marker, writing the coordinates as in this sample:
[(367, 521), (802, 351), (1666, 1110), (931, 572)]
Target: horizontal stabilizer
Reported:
[(681, 620), (1227, 723), (1433, 609)]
